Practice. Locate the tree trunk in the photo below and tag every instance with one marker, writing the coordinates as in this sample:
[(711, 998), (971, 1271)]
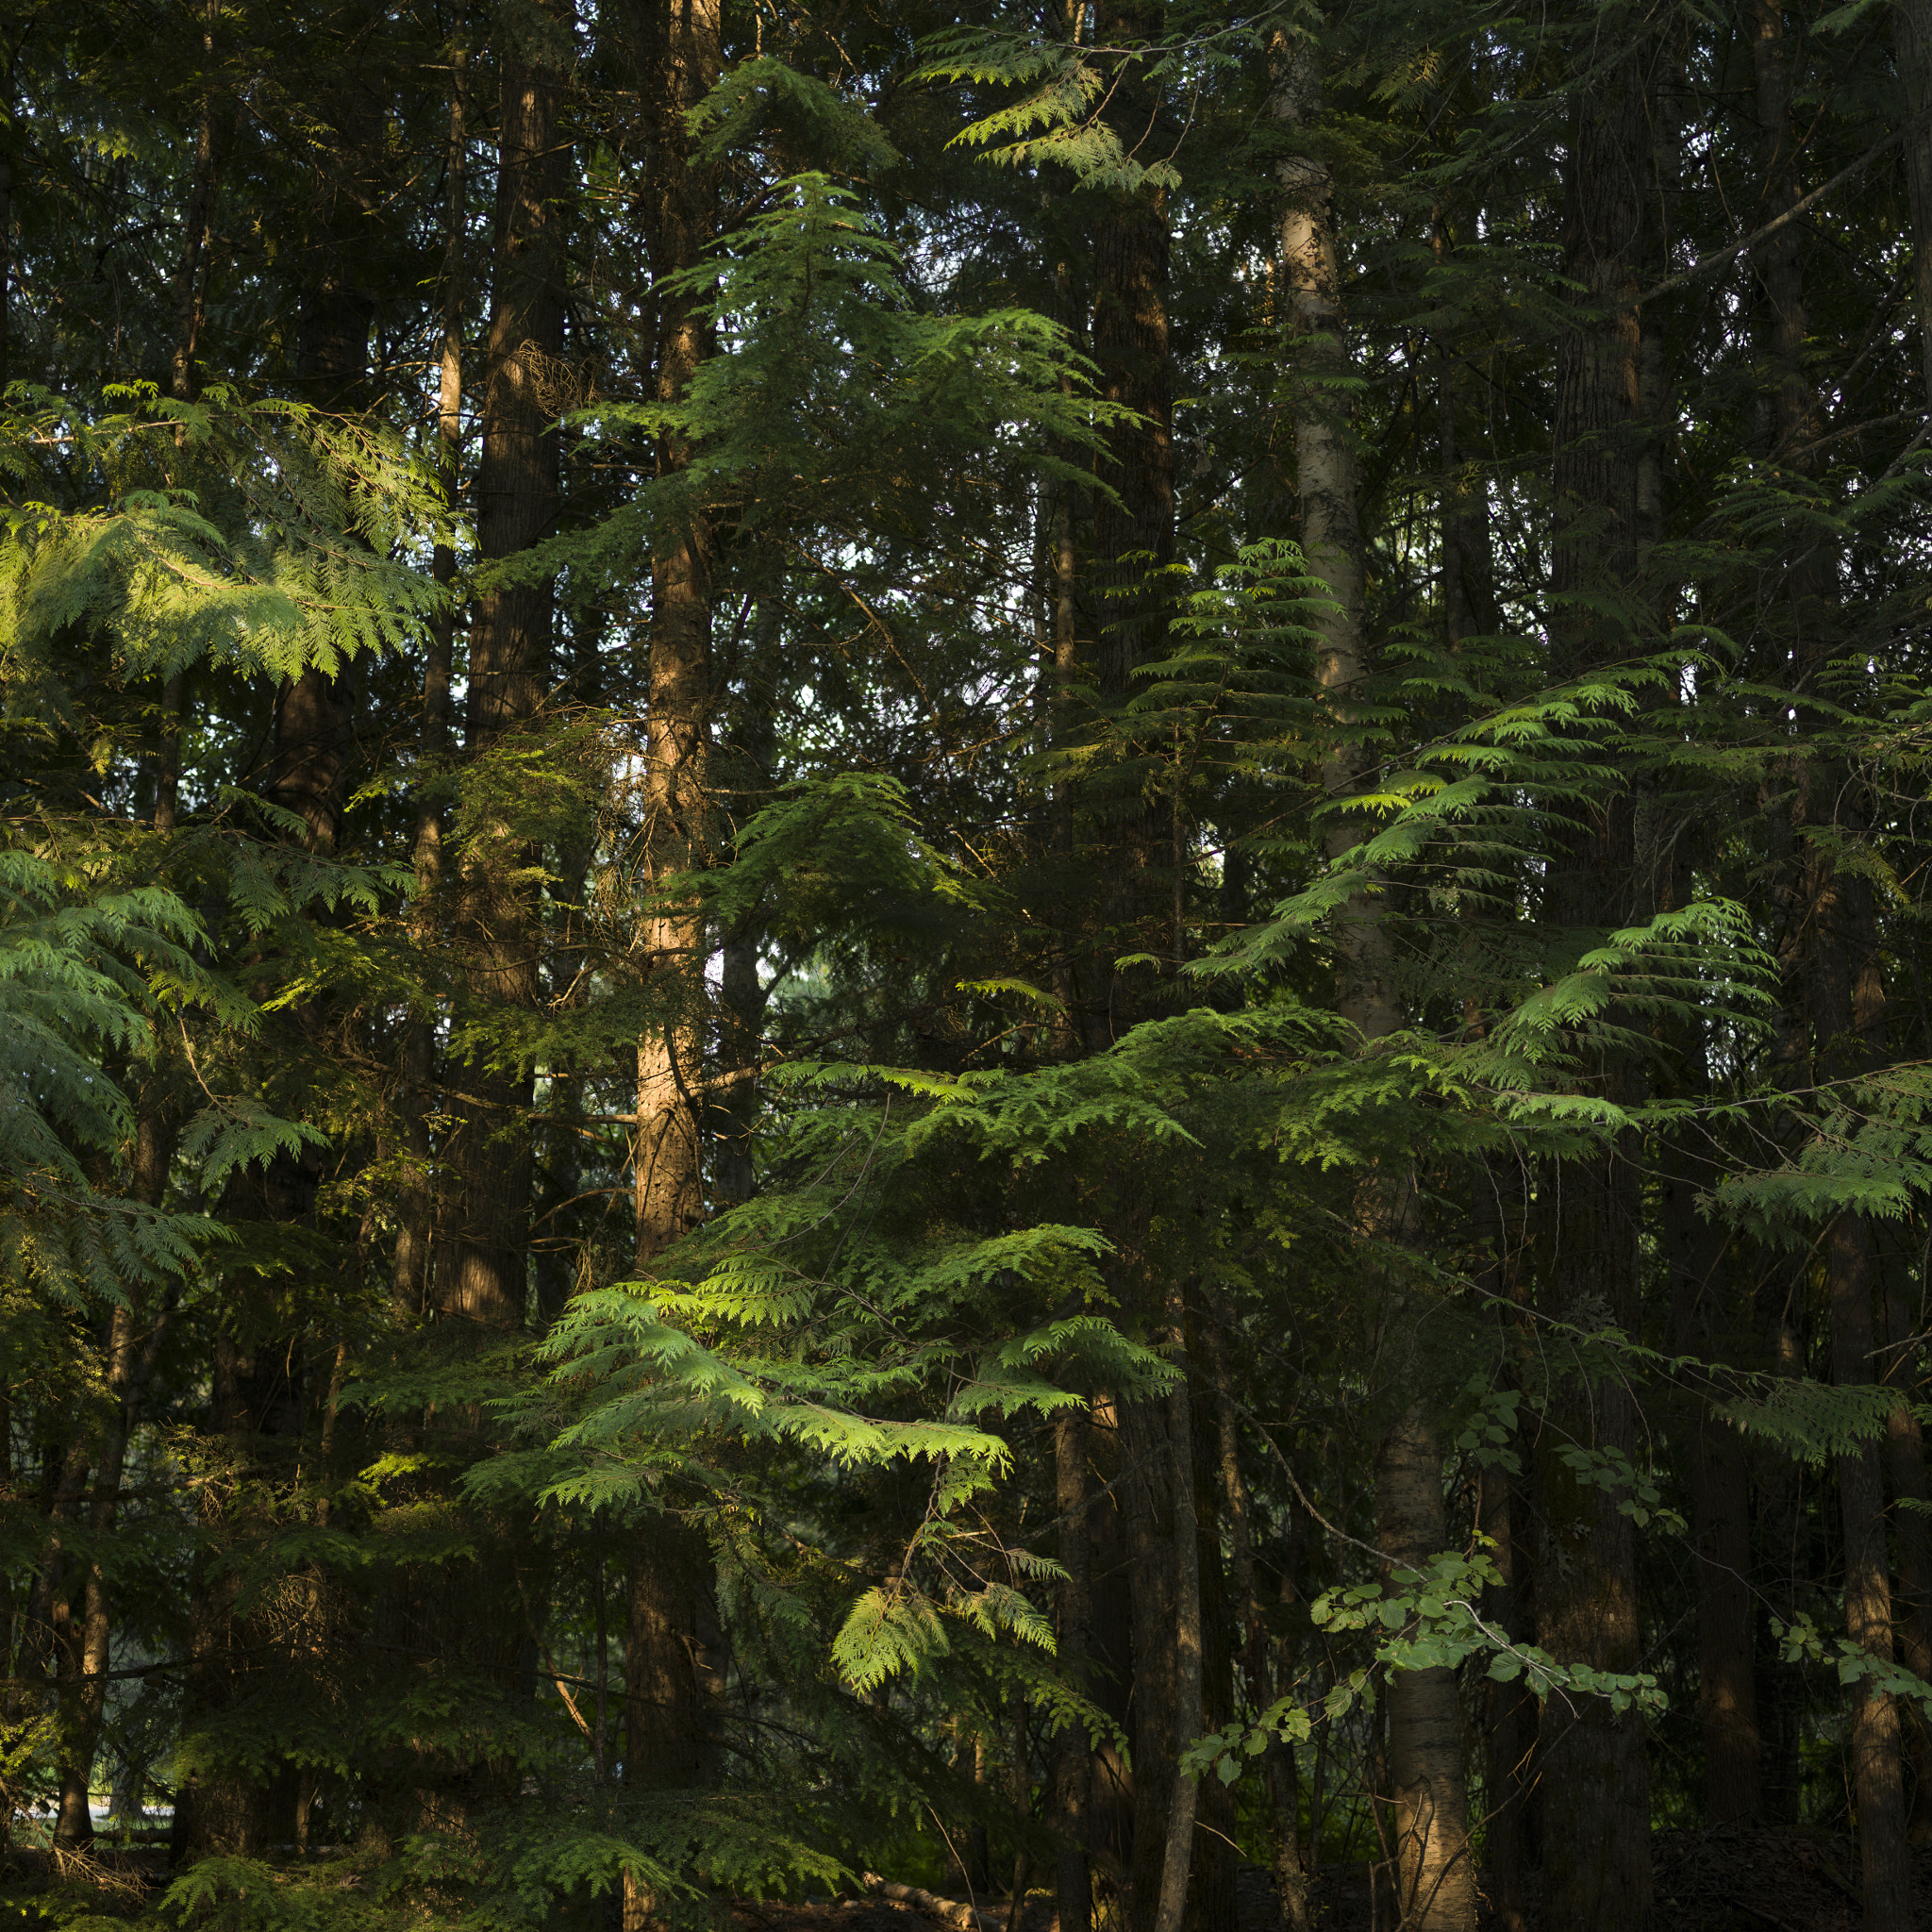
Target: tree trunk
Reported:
[(1503, 1516), (1435, 1879), (682, 59), (1436, 1884), (414, 1257), (1719, 1473), (1073, 1753), (1133, 540), (1256, 1649), (191, 274), (1877, 1770), (1178, 1851), (1911, 33), (1778, 259), (674, 1648), (674, 1664), (1331, 536), (1847, 1012), (749, 756), (1151, 1550), (1595, 1782), (1112, 1800), (1905, 1457), (1509, 1734), (1780, 1575), (137, 1331), (481, 1271), (1213, 1890)]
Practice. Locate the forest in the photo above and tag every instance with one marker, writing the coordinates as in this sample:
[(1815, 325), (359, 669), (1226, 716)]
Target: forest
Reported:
[(964, 952)]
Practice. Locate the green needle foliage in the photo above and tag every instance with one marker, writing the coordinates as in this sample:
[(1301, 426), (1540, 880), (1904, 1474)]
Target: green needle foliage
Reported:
[(979, 946)]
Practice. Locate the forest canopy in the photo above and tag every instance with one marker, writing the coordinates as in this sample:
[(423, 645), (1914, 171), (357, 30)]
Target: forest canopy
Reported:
[(974, 949)]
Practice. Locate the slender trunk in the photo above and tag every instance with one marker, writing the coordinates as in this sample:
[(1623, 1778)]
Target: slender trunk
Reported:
[(1177, 1852), (1151, 1550), (1133, 541), (751, 753), (1468, 593), (1133, 537), (1905, 1458), (1509, 1734), (978, 1847), (1436, 1884), (1781, 1572), (188, 280), (1778, 259), (1113, 1803), (1595, 1784), (1072, 1754), (415, 1236), (683, 57), (1278, 1765), (1022, 1805), (1911, 30), (741, 1004), (1282, 1779), (1719, 1506), (1213, 1890), (1833, 943), (6, 257), (674, 1649), (1073, 1026), (47, 1634), (1847, 1010), (1877, 1771), (481, 1274), (1503, 1516), (12, 1681), (1330, 516), (191, 273), (131, 1357), (1425, 1744)]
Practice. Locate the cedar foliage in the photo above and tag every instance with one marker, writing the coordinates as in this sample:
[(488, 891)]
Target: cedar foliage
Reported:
[(1070, 1265)]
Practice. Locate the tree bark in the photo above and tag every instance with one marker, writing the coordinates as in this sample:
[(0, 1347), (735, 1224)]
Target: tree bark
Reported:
[(136, 1331), (749, 757), (1133, 540), (1177, 1853), (673, 1645), (1911, 30), (1877, 1767), (1436, 1882), (1073, 1753), (1904, 1459), (1277, 1760), (1330, 517), (134, 1345), (1594, 1777), (682, 58), (1719, 1473), (1151, 1548), (191, 274), (1433, 1875), (1112, 1800), (1847, 1012), (1778, 259), (1509, 1735), (415, 1238), (481, 1275)]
